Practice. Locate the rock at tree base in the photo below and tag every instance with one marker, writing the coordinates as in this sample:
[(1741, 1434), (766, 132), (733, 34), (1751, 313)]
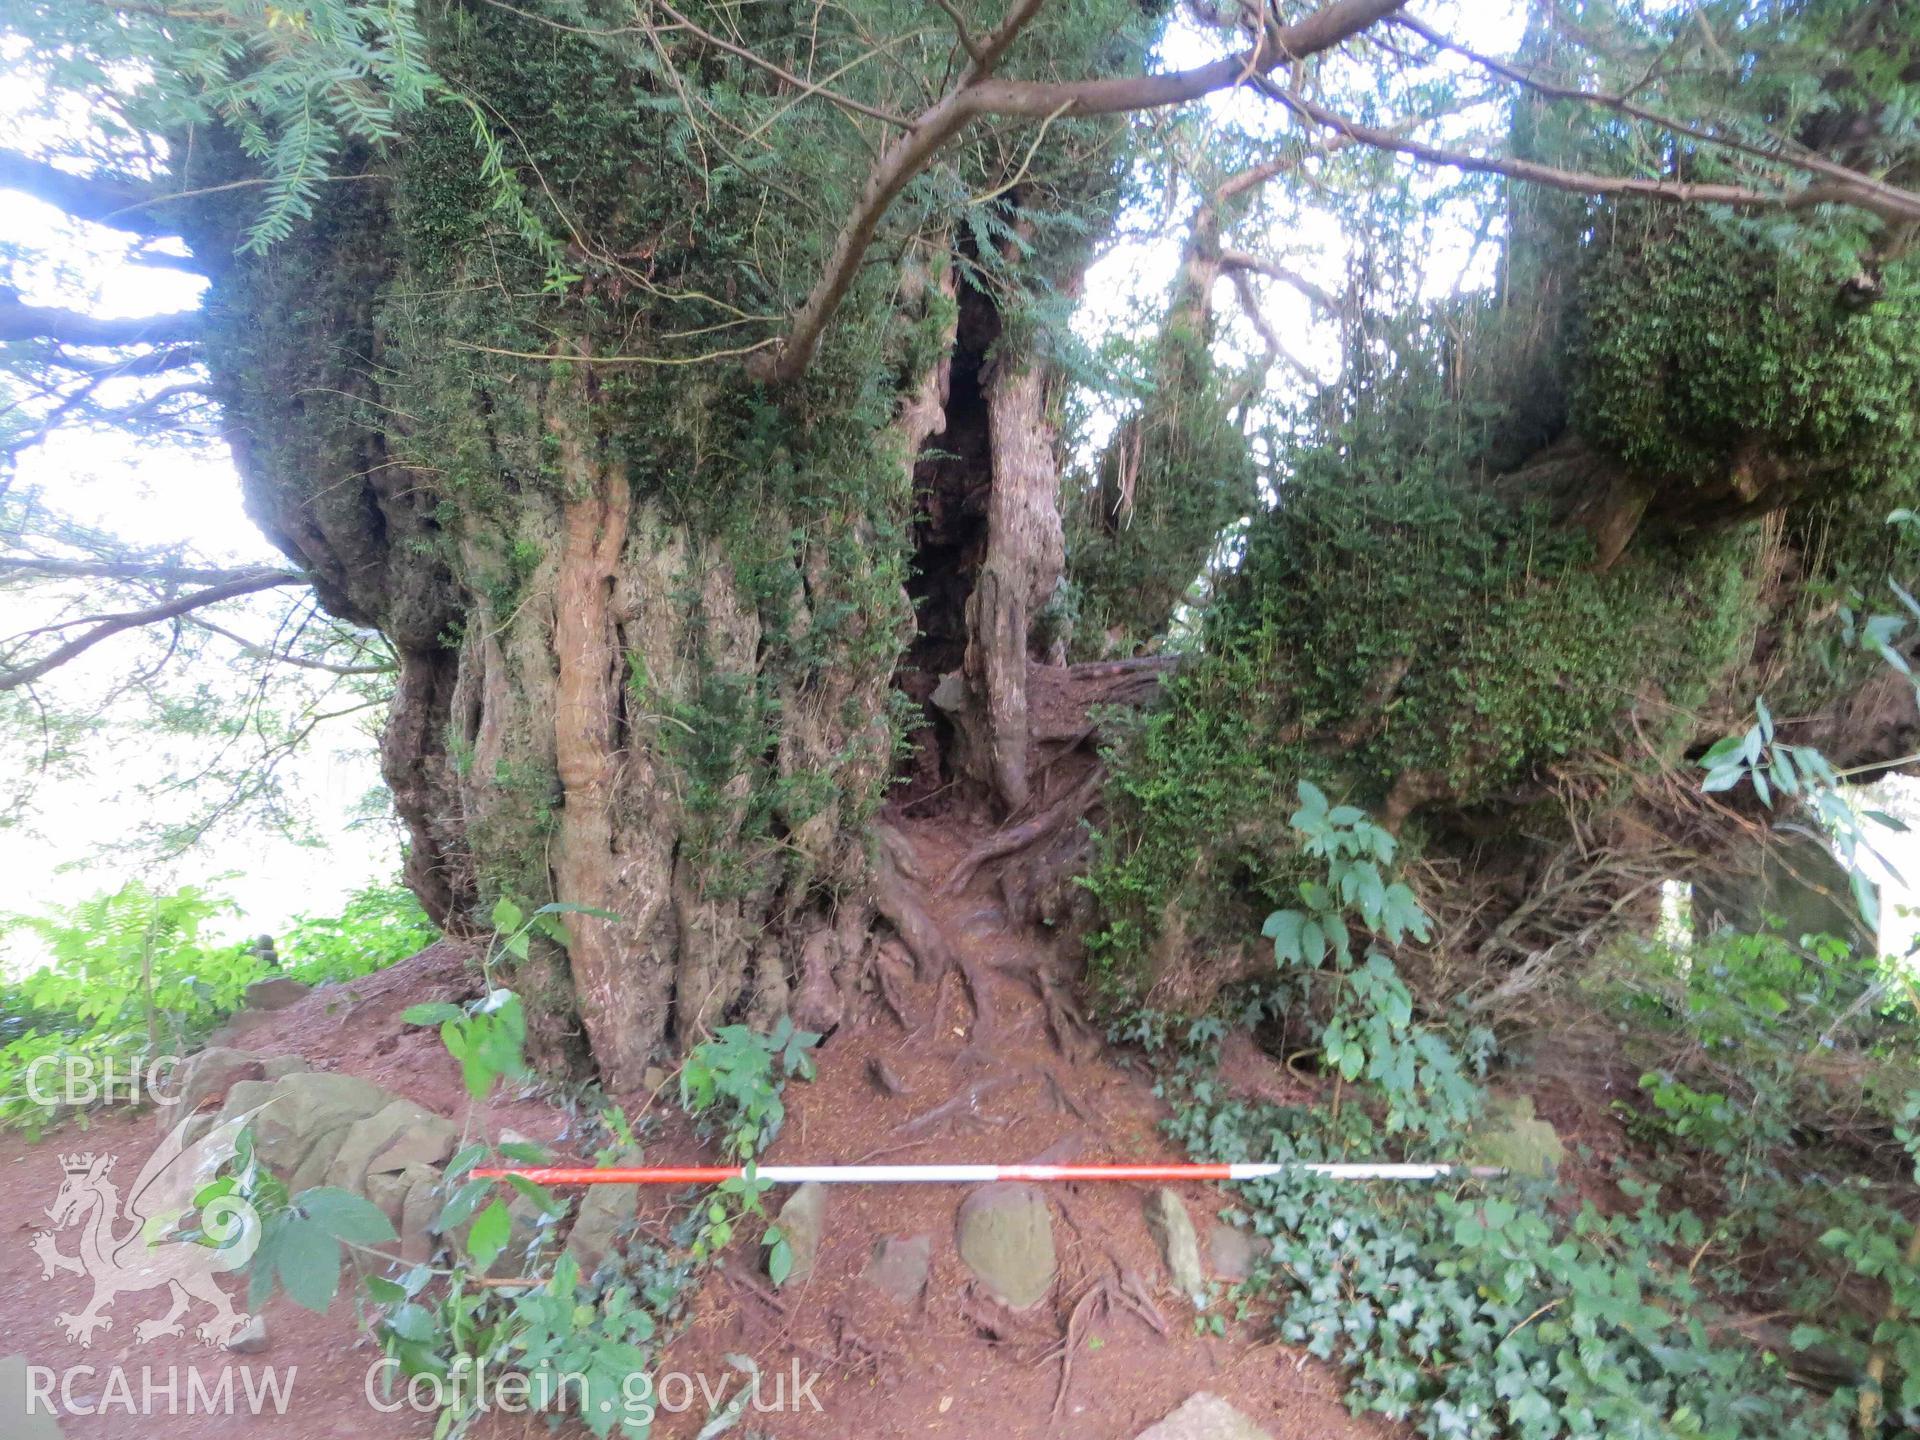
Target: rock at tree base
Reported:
[(276, 992), (803, 1219), (388, 1143), (1005, 1234), (304, 1120), (1202, 1416), (250, 1338), (604, 1210), (899, 1267), (208, 1076), (1173, 1232), (1511, 1136), (1233, 1252)]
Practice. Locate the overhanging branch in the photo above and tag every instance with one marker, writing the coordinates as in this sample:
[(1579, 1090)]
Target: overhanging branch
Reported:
[(157, 572), (980, 94), (105, 202), (104, 627), (20, 321), (1902, 203), (1877, 199)]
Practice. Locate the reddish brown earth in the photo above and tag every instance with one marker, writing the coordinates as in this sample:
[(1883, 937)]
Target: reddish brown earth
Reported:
[(1081, 1365)]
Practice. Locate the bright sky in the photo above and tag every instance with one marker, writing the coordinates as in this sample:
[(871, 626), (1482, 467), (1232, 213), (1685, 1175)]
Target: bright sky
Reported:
[(160, 495)]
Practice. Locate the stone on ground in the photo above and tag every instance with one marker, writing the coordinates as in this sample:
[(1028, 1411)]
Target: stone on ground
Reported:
[(303, 1120), (1233, 1252), (401, 1133), (1179, 1246), (21, 1416), (250, 1338), (208, 1076), (604, 1211), (803, 1220), (276, 992), (899, 1267), (1202, 1416), (1005, 1234)]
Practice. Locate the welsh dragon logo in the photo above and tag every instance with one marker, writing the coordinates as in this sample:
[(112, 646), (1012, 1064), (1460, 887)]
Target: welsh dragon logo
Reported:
[(152, 1252)]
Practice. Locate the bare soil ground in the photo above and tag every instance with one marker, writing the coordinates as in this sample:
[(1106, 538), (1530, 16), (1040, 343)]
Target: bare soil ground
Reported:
[(1112, 1349)]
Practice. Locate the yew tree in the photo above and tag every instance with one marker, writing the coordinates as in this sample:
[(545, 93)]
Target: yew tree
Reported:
[(687, 394)]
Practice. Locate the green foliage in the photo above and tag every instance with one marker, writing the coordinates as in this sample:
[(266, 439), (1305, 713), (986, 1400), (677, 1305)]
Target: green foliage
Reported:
[(1801, 773), (1702, 344), (1175, 477), (1481, 1312), (1491, 1315), (379, 925), (734, 1081), (133, 977), (1371, 1031), (583, 1345), (486, 1036), (296, 91), (1448, 637)]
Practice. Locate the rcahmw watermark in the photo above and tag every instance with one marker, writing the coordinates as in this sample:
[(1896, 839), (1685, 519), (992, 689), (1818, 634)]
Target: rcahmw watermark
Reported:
[(169, 1391)]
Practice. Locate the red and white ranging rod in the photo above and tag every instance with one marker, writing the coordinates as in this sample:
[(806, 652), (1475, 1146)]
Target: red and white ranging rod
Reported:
[(964, 1174)]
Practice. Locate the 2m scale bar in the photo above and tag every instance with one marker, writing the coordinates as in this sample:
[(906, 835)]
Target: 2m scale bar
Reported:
[(963, 1174)]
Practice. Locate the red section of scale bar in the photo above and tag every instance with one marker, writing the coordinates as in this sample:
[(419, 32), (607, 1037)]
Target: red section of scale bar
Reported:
[(712, 1174)]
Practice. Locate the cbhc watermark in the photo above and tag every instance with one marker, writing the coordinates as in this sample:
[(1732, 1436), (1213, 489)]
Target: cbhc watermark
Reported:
[(102, 1080)]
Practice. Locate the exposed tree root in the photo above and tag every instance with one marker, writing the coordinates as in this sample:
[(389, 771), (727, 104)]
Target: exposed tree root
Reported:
[(892, 972), (1101, 1299), (962, 1107), (1014, 838), (1064, 1100), (897, 898), (884, 1078)]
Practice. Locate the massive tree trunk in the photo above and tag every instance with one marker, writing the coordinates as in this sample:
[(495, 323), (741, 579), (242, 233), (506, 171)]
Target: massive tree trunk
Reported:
[(648, 609)]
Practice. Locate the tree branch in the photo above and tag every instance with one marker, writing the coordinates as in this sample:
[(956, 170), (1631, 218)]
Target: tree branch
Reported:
[(1240, 260), (1269, 337), (107, 626), (282, 657), (157, 571), (1807, 162), (805, 87), (20, 321), (1900, 205), (979, 94), (105, 202)]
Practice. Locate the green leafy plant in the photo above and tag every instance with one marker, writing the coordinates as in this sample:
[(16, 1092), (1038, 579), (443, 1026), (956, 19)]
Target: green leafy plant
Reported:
[(134, 975), (1371, 1030), (486, 1036), (734, 1082), (1774, 767)]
